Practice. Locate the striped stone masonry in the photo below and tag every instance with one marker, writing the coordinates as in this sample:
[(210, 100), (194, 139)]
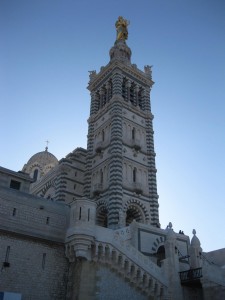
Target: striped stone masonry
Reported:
[(115, 167), (117, 86)]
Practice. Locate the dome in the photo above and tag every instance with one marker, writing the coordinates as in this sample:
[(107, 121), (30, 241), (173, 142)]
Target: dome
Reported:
[(44, 158), (40, 164)]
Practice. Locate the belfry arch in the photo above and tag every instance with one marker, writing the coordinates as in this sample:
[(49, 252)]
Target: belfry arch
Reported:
[(136, 210), (133, 213)]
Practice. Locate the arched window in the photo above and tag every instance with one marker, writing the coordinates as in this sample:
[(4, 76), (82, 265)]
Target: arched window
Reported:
[(35, 176), (160, 255)]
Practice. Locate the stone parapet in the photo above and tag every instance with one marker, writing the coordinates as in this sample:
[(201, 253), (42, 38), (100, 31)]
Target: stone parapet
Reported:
[(25, 214)]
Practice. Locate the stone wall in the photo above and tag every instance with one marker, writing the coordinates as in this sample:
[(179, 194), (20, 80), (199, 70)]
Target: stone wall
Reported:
[(110, 286), (35, 268), (98, 282)]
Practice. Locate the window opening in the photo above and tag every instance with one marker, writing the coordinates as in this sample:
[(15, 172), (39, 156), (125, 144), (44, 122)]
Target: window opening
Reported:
[(14, 212), (35, 176), (7, 254), (133, 133), (134, 174), (80, 214), (15, 185), (43, 260)]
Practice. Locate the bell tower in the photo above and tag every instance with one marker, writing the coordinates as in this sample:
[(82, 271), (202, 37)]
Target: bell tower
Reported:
[(120, 172)]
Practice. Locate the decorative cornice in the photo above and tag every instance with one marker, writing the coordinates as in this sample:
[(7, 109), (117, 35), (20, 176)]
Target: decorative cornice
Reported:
[(111, 67)]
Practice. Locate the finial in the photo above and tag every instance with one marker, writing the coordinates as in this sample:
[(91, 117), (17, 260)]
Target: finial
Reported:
[(170, 225), (148, 71), (121, 29), (194, 231), (46, 148), (92, 74)]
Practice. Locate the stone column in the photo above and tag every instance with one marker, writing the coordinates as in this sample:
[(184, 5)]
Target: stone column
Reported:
[(117, 83)]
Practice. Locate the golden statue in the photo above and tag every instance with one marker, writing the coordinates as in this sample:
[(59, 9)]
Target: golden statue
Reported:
[(121, 28)]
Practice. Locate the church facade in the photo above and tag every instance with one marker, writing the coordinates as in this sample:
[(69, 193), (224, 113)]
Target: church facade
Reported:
[(87, 226)]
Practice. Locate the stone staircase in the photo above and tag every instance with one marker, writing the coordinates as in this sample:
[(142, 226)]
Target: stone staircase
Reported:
[(113, 248)]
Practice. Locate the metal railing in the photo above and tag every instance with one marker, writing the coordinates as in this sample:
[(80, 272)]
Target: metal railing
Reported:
[(190, 275)]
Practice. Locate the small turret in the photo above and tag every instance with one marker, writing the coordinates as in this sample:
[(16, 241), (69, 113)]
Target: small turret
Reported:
[(170, 244), (194, 252), (80, 235)]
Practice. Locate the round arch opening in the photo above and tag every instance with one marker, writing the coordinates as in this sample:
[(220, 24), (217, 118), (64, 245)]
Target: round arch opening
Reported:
[(160, 255), (133, 213), (102, 217)]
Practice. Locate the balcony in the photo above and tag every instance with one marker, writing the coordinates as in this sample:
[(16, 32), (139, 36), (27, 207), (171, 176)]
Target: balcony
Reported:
[(136, 144), (97, 189), (137, 188), (191, 277), (99, 147)]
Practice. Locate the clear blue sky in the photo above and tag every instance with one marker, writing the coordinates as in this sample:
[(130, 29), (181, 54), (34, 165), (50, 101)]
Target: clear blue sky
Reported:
[(47, 48)]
